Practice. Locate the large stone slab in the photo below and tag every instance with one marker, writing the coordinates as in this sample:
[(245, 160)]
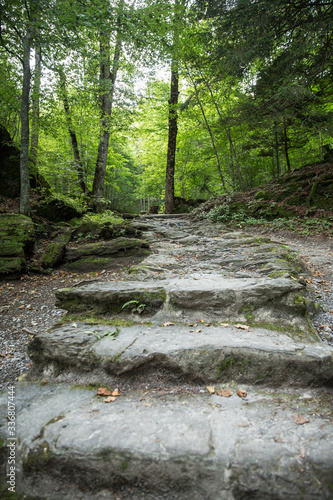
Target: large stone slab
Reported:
[(185, 446), (206, 353), (263, 301)]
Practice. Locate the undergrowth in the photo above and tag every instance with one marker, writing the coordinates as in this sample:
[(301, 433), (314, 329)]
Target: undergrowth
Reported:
[(313, 226), (102, 218)]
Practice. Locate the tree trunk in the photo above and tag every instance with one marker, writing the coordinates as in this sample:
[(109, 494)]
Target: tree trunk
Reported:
[(107, 81), (227, 131), (210, 135), (24, 156), (71, 131), (277, 150), (286, 144), (35, 111), (172, 139)]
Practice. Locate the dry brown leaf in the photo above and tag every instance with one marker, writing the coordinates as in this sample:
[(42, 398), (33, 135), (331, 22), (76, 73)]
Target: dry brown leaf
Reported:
[(110, 399), (241, 393), (168, 323), (225, 325), (148, 404), (198, 331), (242, 327), (211, 389), (225, 393), (115, 393), (103, 391), (299, 420)]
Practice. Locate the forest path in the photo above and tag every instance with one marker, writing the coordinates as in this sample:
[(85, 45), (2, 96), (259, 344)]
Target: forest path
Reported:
[(225, 391)]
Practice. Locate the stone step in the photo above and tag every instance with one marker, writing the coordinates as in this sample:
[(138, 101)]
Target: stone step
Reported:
[(89, 353), (181, 446), (261, 302)]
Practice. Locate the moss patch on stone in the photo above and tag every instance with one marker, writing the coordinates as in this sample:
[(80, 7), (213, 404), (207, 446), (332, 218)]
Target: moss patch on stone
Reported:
[(38, 456), (17, 240)]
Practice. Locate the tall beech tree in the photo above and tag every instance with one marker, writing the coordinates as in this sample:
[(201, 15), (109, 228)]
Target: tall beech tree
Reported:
[(108, 76), (19, 29)]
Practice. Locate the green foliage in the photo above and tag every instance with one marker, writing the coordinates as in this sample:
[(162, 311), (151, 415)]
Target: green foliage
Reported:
[(137, 307), (108, 334), (240, 219), (106, 217)]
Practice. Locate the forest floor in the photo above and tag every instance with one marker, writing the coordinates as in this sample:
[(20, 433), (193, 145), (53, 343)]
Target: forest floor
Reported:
[(27, 305)]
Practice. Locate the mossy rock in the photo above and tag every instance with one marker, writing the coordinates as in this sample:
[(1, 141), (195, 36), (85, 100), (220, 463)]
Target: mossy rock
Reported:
[(55, 251), (18, 230), (95, 230), (12, 265), (17, 240), (104, 248), (58, 209)]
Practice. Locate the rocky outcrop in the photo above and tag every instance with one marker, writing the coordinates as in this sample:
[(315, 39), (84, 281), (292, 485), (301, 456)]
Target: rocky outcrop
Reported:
[(10, 168), (58, 209), (55, 252), (17, 239)]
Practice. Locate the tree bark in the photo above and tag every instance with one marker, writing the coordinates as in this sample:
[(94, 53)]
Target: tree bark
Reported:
[(107, 81), (34, 138), (227, 131), (277, 150), (24, 156), (285, 135), (172, 139), (71, 131), (210, 135)]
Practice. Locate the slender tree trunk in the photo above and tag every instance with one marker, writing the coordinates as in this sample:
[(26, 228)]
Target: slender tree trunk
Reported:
[(107, 81), (285, 135), (24, 156), (34, 137), (227, 131), (172, 139), (210, 135), (71, 131), (276, 146)]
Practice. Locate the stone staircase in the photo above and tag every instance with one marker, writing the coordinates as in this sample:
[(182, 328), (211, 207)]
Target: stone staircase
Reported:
[(198, 377)]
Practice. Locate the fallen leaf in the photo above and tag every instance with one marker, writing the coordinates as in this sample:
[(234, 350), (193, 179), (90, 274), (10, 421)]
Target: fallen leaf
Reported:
[(242, 327), (211, 389), (225, 325), (148, 405), (110, 399), (225, 393), (299, 420), (103, 391), (241, 393), (198, 331), (168, 323), (115, 393)]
